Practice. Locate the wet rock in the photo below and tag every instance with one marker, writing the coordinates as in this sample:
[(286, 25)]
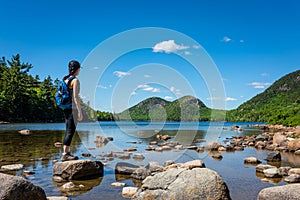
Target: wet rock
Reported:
[(57, 198), (169, 162), (110, 138), (290, 192), (274, 156), (124, 156), (166, 148), (179, 147), (128, 192), (13, 187), (118, 184), (153, 143), (222, 149), (58, 144), (279, 139), (24, 132), (294, 145), (27, 172), (57, 179), (262, 167), (260, 138), (252, 160), (194, 164), (213, 146), (294, 171), (293, 178), (140, 173), (78, 169), (155, 167), (101, 139), (284, 171), (130, 149), (158, 149), (260, 145), (217, 156), (138, 157), (68, 187), (86, 154), (13, 167), (125, 168), (272, 173), (239, 148), (192, 147), (182, 183)]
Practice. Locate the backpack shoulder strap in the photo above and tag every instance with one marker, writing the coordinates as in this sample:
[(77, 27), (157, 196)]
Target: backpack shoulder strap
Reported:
[(69, 80)]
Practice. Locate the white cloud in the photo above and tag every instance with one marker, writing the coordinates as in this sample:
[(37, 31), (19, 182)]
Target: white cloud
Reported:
[(175, 90), (226, 39), (259, 85), (133, 93), (187, 53), (230, 99), (221, 99), (242, 41), (102, 86), (168, 98), (148, 88), (264, 74), (121, 74), (95, 68), (168, 47), (196, 46), (147, 76)]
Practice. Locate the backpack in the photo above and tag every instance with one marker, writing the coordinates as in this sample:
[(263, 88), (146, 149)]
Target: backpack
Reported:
[(63, 97)]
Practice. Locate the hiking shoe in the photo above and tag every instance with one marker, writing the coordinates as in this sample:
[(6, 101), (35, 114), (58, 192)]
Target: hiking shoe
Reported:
[(68, 157)]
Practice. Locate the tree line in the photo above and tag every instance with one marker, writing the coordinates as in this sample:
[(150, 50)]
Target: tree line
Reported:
[(24, 98)]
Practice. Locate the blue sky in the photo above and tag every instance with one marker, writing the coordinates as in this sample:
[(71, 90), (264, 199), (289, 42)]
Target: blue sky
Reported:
[(252, 44)]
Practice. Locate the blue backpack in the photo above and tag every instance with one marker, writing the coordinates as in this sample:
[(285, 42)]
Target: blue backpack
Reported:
[(63, 97)]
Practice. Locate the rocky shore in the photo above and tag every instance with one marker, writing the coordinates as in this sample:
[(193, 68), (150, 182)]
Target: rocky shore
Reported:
[(170, 180)]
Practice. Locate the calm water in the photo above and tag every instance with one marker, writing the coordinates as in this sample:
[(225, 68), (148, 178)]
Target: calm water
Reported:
[(37, 152)]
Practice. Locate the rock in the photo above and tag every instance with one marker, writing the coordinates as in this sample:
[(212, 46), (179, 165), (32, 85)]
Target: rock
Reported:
[(13, 187), (155, 167), (128, 192), (252, 160), (58, 144), (200, 148), (68, 186), (192, 147), (58, 179), (118, 184), (279, 139), (169, 162), (222, 149), (27, 172), (125, 168), (78, 169), (140, 173), (213, 146), (110, 138), (124, 156), (217, 156), (166, 148), (57, 198), (101, 139), (182, 183), (262, 167), (260, 138), (86, 154), (165, 137), (194, 164), (294, 171), (138, 156), (290, 192), (272, 173), (293, 178), (13, 167), (153, 143), (130, 149), (24, 132), (294, 145), (284, 171), (274, 156), (158, 149)]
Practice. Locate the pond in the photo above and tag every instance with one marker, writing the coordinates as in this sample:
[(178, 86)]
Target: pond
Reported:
[(38, 153)]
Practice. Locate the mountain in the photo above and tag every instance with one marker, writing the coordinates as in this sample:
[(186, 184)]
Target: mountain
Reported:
[(187, 108), (279, 104)]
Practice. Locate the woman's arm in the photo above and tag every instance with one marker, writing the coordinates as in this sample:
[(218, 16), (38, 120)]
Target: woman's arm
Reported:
[(76, 86)]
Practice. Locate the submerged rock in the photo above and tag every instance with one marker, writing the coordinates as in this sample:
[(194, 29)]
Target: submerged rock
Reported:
[(13, 187)]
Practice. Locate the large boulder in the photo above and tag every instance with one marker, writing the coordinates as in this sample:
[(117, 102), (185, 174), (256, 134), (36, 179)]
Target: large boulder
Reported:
[(274, 156), (184, 183), (279, 139), (213, 146), (290, 192), (78, 169), (13, 187)]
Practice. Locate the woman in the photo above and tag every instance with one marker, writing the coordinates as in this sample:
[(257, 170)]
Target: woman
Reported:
[(73, 114)]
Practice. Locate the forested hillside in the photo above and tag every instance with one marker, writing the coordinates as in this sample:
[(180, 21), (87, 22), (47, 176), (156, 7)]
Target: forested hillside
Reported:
[(187, 108), (279, 104)]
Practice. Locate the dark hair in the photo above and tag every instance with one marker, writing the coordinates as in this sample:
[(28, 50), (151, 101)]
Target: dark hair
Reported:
[(74, 65)]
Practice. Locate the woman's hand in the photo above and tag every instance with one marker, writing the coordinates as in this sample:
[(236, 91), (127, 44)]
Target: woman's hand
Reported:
[(80, 117)]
